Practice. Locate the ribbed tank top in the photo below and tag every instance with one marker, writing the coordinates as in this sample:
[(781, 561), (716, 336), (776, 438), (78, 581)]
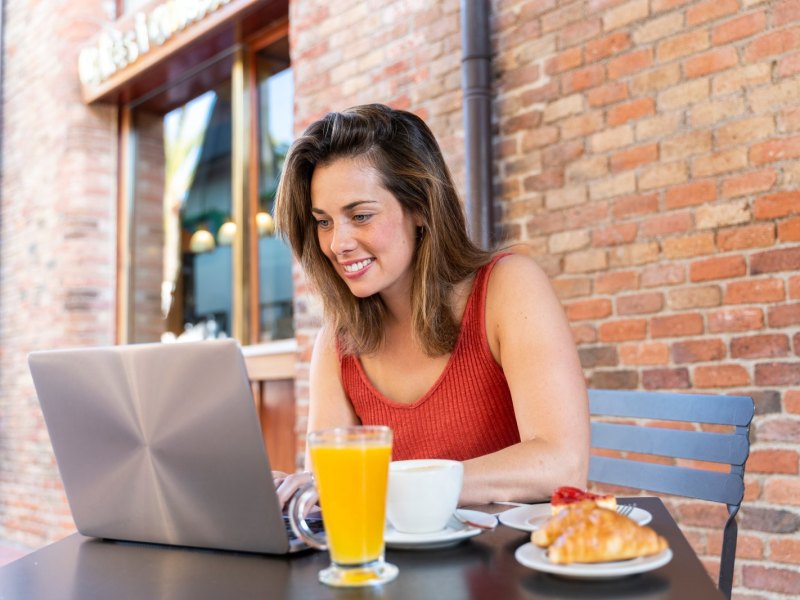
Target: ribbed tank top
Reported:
[(467, 412)]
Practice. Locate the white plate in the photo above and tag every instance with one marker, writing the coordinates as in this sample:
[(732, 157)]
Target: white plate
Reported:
[(532, 516), (534, 557), (452, 534)]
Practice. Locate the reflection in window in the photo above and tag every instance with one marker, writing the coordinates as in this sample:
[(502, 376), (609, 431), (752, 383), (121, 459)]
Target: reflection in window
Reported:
[(190, 180), (275, 125)]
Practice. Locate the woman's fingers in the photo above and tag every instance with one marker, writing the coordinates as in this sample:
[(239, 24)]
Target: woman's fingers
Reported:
[(288, 484)]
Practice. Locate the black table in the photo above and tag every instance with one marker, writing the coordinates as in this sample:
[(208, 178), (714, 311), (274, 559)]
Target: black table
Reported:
[(482, 567)]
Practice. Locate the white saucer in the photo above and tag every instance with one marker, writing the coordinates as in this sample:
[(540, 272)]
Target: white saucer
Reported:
[(534, 557), (530, 517), (454, 533)]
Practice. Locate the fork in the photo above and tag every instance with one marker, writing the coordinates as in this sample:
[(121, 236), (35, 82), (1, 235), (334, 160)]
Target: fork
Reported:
[(625, 509)]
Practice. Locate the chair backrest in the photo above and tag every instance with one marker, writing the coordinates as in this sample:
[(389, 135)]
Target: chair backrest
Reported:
[(731, 448)]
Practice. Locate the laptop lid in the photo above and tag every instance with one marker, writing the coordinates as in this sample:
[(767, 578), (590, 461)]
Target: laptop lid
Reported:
[(161, 443)]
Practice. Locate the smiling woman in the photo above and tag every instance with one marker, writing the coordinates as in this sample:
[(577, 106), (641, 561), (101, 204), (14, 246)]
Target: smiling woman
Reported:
[(466, 354)]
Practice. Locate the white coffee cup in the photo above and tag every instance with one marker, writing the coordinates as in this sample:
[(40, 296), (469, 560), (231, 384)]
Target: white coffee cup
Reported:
[(423, 494)]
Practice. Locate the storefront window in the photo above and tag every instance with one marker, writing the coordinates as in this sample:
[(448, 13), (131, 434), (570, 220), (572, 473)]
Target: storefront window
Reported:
[(183, 280), (182, 204), (275, 123)]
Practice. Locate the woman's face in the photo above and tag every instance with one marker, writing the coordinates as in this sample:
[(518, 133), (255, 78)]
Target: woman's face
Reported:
[(362, 228)]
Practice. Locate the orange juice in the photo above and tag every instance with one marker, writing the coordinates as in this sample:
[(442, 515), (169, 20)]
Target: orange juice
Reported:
[(352, 482)]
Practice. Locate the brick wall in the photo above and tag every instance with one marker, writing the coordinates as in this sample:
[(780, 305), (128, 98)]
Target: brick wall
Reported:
[(57, 243), (647, 155)]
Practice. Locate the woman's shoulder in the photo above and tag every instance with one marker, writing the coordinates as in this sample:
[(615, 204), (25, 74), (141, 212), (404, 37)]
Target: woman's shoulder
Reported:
[(515, 268)]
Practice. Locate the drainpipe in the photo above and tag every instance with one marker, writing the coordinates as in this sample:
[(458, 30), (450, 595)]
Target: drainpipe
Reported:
[(476, 88)]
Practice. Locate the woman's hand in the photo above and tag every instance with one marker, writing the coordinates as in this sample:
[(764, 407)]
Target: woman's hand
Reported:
[(287, 484)]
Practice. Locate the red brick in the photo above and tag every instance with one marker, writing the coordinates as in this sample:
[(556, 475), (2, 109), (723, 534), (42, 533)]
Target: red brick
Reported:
[(760, 346), (747, 546), (748, 236), (784, 316), (718, 376), (613, 235), (676, 325), (774, 150), (782, 491), (638, 304), (665, 5), (794, 287), (695, 297), (772, 43), (690, 245), (763, 577), (658, 275), (636, 109), (570, 288), (788, 65), (689, 194), (644, 354), (607, 94), (584, 334), (588, 309), (682, 44), (789, 119), (772, 461), (710, 62), (634, 157), (775, 206), (789, 231), (749, 183), (698, 351), (557, 155), (618, 331), (736, 319), (738, 28), (785, 551), (778, 373), (666, 379), (579, 32), (709, 10), (755, 291), (614, 380), (598, 356), (581, 79), (722, 267), (632, 62), (666, 224), (629, 206), (791, 405), (616, 281), (607, 46), (775, 260)]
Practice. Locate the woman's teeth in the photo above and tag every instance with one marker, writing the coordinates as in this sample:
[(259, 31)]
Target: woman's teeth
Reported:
[(352, 268)]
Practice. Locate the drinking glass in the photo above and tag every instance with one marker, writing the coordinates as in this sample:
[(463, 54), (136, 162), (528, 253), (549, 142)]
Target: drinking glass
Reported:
[(351, 471)]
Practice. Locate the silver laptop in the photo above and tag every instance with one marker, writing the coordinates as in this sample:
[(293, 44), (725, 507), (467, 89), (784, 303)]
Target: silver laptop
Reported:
[(160, 443)]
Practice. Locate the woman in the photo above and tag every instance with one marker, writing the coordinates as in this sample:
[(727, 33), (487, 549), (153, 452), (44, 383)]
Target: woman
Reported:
[(463, 353)]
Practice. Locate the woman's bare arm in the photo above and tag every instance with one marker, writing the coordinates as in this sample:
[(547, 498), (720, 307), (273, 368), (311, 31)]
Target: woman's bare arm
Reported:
[(531, 339)]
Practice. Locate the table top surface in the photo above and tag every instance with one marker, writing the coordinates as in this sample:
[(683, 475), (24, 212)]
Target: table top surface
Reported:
[(482, 567)]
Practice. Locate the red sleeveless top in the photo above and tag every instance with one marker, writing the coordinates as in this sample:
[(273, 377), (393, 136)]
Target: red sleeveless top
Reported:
[(466, 413)]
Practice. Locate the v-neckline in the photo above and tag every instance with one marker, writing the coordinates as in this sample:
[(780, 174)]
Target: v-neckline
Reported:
[(468, 307)]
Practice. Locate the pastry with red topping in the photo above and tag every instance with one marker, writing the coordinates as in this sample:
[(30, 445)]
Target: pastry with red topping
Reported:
[(566, 495)]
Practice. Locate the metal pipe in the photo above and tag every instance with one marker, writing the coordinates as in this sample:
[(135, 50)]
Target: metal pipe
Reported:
[(476, 88)]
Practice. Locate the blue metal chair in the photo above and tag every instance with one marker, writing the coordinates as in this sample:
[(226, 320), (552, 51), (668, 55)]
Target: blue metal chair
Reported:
[(725, 448)]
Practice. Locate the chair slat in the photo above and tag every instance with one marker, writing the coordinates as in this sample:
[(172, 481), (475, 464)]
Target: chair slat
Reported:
[(697, 408), (727, 448), (693, 483)]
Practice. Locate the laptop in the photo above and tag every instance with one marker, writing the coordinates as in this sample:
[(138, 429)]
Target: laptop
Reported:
[(160, 443)]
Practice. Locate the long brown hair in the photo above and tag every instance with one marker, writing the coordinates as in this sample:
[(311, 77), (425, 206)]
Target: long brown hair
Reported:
[(401, 147)]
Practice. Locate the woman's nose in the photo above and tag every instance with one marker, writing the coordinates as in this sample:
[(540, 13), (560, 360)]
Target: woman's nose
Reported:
[(342, 240)]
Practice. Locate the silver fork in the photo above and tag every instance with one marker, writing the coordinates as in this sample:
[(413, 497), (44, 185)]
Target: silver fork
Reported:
[(625, 509)]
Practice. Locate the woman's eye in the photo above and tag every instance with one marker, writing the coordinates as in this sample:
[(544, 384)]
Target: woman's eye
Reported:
[(361, 218), (323, 223)]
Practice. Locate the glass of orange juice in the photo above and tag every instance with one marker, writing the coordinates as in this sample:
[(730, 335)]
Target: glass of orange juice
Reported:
[(351, 472)]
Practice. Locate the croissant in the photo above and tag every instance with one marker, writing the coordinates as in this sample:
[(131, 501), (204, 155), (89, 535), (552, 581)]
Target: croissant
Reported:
[(555, 526), (603, 535)]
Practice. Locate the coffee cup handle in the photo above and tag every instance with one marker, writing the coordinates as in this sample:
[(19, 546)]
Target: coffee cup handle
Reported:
[(300, 504)]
